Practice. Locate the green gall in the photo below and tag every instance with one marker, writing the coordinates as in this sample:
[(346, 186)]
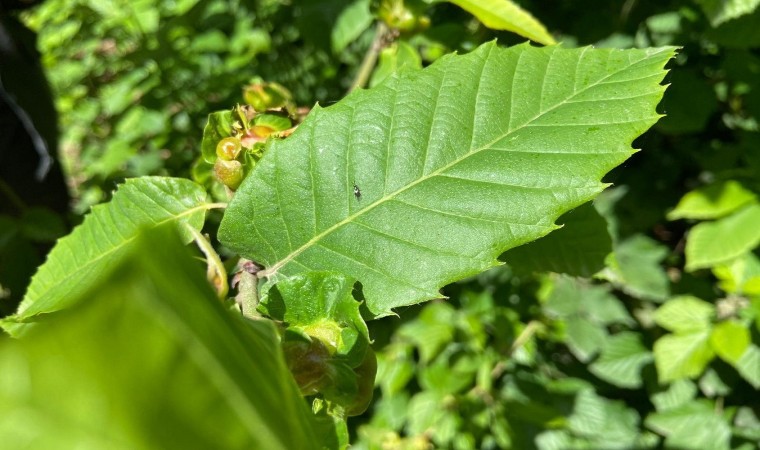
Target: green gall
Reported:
[(229, 173), (228, 148)]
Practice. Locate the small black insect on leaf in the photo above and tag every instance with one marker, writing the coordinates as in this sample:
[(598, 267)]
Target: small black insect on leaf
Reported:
[(357, 192)]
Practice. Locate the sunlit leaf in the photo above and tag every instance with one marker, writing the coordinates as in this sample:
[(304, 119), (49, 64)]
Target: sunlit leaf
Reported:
[(712, 202), (430, 176), (730, 339), (506, 15), (711, 243), (685, 314), (679, 356), (80, 259)]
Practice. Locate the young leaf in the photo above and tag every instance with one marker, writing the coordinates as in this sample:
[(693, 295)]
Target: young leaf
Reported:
[(578, 248), (712, 243), (506, 15), (685, 314), (78, 260), (430, 176), (730, 339), (149, 358)]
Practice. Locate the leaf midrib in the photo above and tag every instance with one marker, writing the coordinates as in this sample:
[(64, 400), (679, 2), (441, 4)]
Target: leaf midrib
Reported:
[(274, 269)]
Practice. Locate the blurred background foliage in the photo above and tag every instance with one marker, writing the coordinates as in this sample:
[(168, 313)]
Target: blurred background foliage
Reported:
[(653, 343)]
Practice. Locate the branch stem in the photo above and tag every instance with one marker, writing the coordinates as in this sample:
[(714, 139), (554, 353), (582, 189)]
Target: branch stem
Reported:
[(215, 272), (370, 58)]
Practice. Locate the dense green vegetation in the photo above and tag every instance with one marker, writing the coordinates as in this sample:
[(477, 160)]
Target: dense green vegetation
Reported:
[(393, 224)]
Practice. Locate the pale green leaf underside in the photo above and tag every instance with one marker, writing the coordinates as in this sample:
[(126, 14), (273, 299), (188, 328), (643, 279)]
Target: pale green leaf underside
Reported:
[(79, 259), (455, 164)]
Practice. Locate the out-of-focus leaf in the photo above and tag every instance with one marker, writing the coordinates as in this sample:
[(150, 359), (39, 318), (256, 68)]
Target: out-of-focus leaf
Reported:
[(584, 338), (747, 424), (578, 248), (713, 201), (711, 243), (677, 394), (392, 58), (433, 329), (351, 23), (679, 356), (395, 185), (730, 339), (41, 225), (506, 15), (694, 426), (749, 365), (688, 105), (79, 260), (685, 314), (149, 358), (741, 276), (607, 422), (635, 267), (622, 358), (719, 11)]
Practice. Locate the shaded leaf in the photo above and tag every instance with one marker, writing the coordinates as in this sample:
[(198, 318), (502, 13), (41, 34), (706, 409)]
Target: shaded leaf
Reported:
[(622, 358), (635, 267), (720, 11), (78, 260), (149, 358), (578, 248)]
